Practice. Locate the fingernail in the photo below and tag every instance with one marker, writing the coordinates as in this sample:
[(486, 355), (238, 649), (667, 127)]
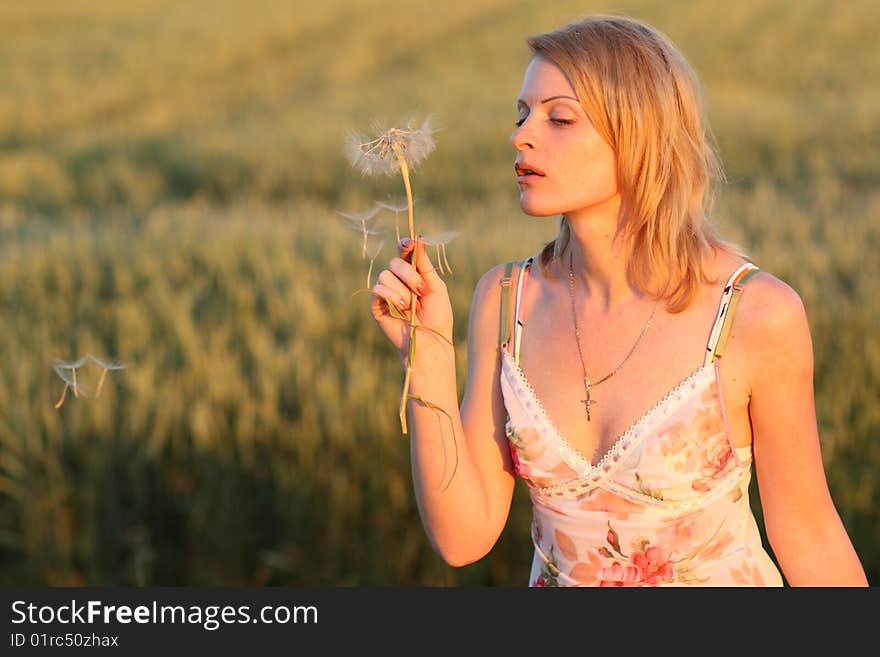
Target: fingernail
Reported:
[(402, 303), (421, 287), (405, 242)]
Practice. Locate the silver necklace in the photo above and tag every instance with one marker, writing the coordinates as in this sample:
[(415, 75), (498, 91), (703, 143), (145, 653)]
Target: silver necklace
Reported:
[(589, 383)]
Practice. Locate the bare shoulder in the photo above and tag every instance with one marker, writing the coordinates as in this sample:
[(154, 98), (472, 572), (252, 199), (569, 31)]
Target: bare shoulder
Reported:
[(487, 293), (772, 324), (771, 307), (489, 282), (768, 305)]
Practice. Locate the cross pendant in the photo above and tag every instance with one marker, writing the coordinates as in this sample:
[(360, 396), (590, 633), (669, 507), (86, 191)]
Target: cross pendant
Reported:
[(588, 401)]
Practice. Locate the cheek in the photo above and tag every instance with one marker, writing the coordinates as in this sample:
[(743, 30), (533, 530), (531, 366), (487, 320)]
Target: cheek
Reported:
[(609, 166), (580, 177), (595, 172)]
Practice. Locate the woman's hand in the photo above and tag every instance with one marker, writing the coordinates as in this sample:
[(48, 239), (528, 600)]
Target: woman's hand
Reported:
[(395, 285)]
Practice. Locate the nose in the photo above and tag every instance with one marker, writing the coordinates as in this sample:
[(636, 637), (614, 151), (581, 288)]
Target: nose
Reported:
[(521, 138)]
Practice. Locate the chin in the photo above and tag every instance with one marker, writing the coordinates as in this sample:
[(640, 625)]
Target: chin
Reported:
[(537, 209)]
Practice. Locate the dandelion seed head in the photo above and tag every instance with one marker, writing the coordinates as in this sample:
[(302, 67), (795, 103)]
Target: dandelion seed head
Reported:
[(380, 155), (353, 151), (421, 143)]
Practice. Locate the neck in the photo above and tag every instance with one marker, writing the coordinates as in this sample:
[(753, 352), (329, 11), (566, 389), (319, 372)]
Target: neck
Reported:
[(599, 252)]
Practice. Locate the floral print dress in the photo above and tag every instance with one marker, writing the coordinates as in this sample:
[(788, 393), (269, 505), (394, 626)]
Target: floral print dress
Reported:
[(668, 504)]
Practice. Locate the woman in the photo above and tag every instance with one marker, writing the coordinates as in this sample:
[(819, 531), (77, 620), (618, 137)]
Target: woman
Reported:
[(642, 364)]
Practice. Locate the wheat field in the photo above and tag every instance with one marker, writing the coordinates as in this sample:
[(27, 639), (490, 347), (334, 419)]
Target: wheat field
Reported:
[(170, 181)]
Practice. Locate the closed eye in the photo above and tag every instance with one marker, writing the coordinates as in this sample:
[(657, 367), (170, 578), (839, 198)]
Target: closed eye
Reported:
[(556, 121)]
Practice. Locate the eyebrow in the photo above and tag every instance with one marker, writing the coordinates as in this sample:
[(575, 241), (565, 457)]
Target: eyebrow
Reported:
[(520, 101)]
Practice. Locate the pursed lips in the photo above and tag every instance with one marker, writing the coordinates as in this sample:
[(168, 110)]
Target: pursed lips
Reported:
[(525, 170)]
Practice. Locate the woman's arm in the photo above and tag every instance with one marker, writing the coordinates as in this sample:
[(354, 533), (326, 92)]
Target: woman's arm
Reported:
[(461, 465), (802, 524)]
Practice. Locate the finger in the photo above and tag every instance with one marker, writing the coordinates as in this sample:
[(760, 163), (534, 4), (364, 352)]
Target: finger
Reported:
[(424, 266), (406, 273), (378, 306), (406, 246), (393, 283), (390, 297), (379, 309)]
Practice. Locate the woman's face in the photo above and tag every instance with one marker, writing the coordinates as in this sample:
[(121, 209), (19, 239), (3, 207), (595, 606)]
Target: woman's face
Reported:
[(576, 168)]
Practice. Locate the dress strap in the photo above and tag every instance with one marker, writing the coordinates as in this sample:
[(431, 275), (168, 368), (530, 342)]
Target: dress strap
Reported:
[(517, 329), (504, 328), (726, 310), (507, 298)]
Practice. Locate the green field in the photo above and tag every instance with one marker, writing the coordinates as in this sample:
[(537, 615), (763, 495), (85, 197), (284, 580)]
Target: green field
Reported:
[(170, 180)]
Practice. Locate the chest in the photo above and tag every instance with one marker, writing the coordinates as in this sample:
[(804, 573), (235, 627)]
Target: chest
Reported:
[(669, 353)]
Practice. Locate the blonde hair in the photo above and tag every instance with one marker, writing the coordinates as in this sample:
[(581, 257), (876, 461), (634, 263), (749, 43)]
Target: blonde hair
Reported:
[(646, 101)]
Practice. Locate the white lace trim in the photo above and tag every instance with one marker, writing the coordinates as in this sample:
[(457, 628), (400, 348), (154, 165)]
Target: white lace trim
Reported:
[(620, 447), (570, 455)]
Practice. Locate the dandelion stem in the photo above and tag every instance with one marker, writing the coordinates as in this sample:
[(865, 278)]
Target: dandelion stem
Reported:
[(409, 368), (75, 391), (404, 171)]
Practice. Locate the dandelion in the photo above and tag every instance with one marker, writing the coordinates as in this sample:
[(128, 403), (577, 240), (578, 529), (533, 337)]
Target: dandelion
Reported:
[(393, 150)]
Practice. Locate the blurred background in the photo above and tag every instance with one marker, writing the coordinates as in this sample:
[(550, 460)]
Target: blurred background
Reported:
[(171, 175)]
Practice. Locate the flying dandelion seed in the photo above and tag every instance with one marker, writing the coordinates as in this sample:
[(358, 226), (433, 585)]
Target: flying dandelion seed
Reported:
[(60, 402), (58, 364), (107, 366), (396, 206), (66, 371), (360, 218), (439, 241), (372, 253), (358, 221)]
